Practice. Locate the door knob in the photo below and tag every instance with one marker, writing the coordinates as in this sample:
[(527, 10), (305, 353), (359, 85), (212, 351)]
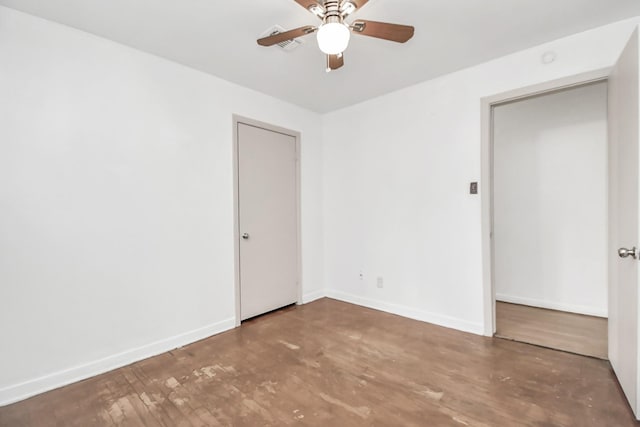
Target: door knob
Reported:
[(245, 236), (625, 253)]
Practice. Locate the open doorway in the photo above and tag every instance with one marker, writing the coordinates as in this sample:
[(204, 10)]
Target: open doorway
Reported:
[(550, 225), (623, 204)]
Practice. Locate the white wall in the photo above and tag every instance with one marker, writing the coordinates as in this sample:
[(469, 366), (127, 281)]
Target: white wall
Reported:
[(116, 203), (550, 201), (396, 178)]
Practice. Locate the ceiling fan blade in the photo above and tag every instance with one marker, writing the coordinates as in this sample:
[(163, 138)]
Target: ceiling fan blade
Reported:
[(287, 35), (335, 61), (383, 30)]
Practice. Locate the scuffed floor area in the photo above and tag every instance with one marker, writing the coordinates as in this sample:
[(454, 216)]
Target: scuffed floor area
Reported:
[(330, 363)]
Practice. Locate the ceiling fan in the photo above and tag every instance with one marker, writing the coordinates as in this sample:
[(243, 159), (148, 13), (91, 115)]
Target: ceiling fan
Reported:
[(334, 33)]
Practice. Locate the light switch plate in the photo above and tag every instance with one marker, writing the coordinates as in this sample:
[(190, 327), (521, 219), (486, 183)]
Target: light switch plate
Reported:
[(473, 188)]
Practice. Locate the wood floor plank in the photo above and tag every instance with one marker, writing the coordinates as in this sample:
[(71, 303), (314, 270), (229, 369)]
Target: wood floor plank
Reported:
[(331, 363), (576, 333)]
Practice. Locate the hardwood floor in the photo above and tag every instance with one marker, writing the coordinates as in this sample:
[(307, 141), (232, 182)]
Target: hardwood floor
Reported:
[(572, 332), (330, 363)]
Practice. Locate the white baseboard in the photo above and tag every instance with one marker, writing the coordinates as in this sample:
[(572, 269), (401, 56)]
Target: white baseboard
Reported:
[(24, 390), (312, 296), (412, 313), (571, 308)]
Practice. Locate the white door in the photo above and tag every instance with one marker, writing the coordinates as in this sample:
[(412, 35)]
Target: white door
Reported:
[(267, 219), (624, 133)]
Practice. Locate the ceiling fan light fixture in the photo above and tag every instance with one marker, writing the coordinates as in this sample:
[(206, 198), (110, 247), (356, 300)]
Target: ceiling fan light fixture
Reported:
[(333, 38)]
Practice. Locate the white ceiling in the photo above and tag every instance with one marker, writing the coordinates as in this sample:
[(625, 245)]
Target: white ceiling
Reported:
[(218, 37)]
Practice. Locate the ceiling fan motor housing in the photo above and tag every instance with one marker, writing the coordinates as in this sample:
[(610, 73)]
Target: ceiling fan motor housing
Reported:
[(332, 12)]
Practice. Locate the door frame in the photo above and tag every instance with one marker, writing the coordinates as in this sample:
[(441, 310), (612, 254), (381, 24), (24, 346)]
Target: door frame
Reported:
[(237, 120), (486, 193)]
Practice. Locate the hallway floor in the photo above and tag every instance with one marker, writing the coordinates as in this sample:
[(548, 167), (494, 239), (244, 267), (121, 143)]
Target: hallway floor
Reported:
[(575, 333)]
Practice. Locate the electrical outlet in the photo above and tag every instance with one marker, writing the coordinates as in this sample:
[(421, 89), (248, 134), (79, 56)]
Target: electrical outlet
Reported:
[(380, 282), (361, 275)]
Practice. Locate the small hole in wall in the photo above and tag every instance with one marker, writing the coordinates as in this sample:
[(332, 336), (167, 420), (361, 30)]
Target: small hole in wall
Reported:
[(549, 57)]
